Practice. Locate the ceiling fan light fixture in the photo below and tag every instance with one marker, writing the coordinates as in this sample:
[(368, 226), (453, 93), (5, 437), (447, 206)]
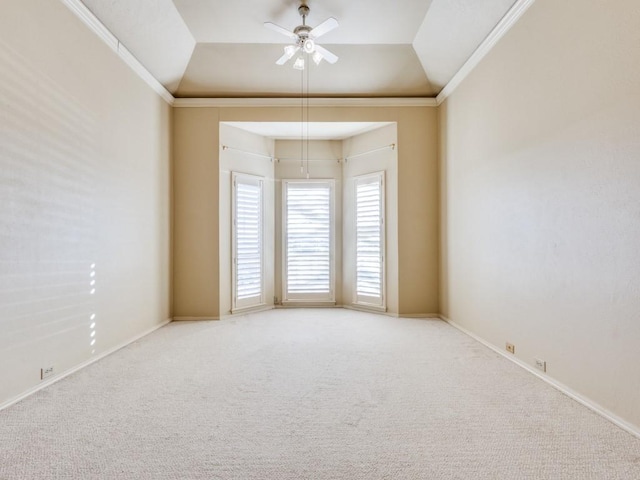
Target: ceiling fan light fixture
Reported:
[(305, 40), (309, 46), (299, 63), (290, 50)]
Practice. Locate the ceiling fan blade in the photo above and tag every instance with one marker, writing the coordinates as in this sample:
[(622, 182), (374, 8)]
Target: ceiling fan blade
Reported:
[(328, 56), (279, 29), (325, 27), (283, 59), (289, 51)]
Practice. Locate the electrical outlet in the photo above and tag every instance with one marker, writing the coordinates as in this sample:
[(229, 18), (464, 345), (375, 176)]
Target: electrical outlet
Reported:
[(511, 348), (541, 364), (46, 372)]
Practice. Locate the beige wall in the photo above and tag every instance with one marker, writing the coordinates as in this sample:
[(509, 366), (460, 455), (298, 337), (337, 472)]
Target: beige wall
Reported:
[(541, 219), (196, 183), (84, 188), (418, 214), (196, 273)]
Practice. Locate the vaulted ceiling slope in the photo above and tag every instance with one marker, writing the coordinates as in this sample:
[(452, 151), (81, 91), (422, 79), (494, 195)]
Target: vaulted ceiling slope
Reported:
[(219, 48)]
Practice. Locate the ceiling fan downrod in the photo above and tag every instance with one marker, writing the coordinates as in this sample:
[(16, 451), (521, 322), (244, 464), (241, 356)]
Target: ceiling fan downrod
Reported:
[(303, 30)]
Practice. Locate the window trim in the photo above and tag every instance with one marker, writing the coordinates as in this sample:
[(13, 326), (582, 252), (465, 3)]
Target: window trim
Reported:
[(319, 300), (258, 301), (358, 180)]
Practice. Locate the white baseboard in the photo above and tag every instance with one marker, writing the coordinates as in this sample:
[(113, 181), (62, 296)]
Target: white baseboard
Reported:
[(294, 304), (100, 356), (420, 315), (361, 308), (591, 405), (194, 319)]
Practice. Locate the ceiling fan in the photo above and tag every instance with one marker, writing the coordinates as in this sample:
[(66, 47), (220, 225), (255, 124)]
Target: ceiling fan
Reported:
[(305, 40)]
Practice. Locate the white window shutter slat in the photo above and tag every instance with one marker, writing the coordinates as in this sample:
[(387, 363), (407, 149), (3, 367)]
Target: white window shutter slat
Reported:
[(369, 240), (308, 231), (248, 241)]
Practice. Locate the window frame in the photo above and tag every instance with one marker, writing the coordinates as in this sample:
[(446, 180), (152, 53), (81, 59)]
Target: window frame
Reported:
[(364, 300), (259, 300), (311, 299)]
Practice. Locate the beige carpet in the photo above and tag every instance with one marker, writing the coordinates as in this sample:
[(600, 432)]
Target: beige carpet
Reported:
[(309, 394)]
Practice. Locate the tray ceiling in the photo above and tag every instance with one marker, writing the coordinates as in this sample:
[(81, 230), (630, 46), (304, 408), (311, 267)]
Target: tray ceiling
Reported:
[(215, 48)]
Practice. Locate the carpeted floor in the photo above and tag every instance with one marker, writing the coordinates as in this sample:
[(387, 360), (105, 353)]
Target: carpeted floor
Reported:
[(309, 394)]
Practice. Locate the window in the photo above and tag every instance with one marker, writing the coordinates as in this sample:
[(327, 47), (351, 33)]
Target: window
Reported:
[(248, 244), (308, 240), (369, 221)]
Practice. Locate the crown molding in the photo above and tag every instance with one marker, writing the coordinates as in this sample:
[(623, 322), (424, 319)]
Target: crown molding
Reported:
[(144, 74), (91, 21), (313, 102), (500, 30), (97, 27)]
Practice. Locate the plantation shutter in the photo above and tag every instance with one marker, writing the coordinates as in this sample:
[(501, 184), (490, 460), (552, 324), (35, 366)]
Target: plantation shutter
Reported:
[(248, 243), (309, 244), (370, 239)]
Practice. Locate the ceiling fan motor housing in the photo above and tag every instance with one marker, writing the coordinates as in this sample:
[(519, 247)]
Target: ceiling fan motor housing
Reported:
[(302, 30)]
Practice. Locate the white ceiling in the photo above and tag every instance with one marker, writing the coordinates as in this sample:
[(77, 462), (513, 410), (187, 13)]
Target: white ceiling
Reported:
[(312, 130), (219, 48), (361, 22)]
